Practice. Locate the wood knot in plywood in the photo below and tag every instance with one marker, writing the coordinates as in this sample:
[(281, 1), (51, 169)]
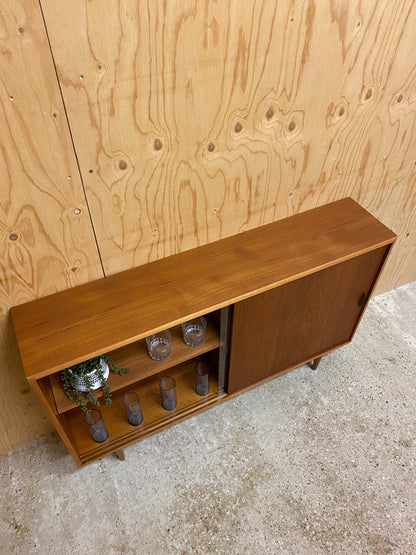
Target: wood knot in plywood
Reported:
[(368, 92), (238, 127), (157, 144), (398, 105), (337, 112), (270, 113), (294, 125)]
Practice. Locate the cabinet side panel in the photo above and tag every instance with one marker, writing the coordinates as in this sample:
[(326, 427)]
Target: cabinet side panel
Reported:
[(300, 320)]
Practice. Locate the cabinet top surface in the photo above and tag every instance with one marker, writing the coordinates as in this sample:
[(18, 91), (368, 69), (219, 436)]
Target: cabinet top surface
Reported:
[(73, 325)]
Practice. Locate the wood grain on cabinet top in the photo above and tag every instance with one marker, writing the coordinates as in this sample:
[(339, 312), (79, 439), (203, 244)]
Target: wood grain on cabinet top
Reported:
[(73, 325)]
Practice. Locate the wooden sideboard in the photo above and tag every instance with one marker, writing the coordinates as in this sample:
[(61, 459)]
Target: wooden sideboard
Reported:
[(275, 297)]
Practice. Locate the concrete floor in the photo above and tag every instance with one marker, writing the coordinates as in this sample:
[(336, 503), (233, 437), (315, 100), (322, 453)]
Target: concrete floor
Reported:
[(309, 463)]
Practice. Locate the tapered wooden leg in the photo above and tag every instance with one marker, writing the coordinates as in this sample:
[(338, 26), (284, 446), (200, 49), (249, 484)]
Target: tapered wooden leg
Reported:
[(315, 363), (121, 455)]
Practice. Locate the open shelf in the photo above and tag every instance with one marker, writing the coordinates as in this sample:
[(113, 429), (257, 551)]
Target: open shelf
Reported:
[(136, 357), (121, 433)]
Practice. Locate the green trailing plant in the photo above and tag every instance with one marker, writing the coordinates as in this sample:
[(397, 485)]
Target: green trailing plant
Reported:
[(71, 379)]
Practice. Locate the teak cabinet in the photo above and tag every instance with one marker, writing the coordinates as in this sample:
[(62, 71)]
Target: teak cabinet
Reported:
[(275, 297)]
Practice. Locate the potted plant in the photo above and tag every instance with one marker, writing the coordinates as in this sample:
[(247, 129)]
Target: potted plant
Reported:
[(87, 376)]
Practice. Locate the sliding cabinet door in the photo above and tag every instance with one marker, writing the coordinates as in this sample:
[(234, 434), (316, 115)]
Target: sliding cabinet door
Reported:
[(299, 321)]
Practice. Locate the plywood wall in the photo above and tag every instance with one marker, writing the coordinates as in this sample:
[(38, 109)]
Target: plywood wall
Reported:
[(195, 120), (191, 120), (47, 242)]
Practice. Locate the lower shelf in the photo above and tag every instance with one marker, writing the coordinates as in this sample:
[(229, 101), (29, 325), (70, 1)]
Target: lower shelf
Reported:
[(121, 433)]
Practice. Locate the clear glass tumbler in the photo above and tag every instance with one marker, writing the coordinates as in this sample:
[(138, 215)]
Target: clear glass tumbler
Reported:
[(202, 378), (158, 345), (96, 425), (168, 392), (194, 331), (133, 409)]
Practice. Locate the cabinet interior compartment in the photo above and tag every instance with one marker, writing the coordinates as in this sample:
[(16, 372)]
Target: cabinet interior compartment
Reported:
[(121, 433)]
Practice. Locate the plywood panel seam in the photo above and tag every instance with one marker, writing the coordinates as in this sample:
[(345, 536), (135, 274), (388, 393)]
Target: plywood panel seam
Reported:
[(72, 138)]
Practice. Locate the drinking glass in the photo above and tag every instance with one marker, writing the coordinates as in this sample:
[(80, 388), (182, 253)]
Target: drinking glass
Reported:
[(194, 331), (158, 345), (202, 378), (96, 425), (168, 392), (133, 409)]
